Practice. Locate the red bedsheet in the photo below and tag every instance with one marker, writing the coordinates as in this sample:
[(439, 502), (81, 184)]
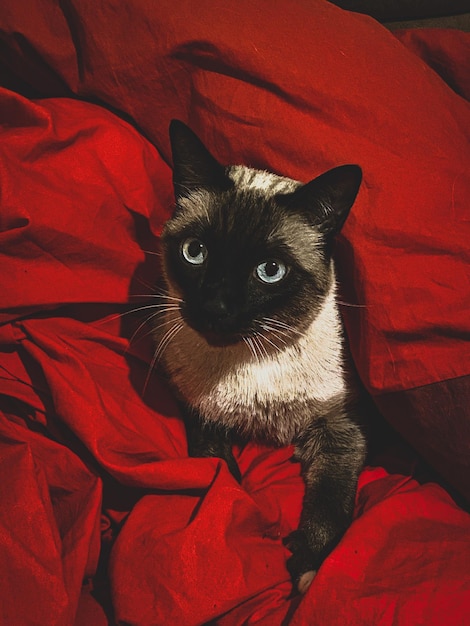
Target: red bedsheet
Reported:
[(103, 517)]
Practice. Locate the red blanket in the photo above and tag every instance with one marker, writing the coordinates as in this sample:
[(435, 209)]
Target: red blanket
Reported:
[(104, 519)]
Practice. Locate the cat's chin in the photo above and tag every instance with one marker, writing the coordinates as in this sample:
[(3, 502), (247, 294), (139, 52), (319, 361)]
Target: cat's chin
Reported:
[(220, 340)]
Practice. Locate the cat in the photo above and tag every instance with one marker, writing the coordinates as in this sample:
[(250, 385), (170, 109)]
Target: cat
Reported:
[(251, 338)]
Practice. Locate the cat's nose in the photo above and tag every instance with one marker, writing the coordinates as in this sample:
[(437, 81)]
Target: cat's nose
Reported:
[(219, 316), (216, 309)]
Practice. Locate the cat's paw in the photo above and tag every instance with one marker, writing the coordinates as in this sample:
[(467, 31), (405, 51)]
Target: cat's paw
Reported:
[(206, 442), (302, 565)]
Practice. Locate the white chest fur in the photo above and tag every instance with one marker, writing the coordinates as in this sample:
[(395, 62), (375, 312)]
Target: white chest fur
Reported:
[(261, 396)]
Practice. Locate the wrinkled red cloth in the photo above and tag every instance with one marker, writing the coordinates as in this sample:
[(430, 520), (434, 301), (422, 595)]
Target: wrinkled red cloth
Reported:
[(298, 91), (90, 462)]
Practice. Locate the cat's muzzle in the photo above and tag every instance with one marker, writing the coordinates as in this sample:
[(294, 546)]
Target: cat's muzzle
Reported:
[(218, 326)]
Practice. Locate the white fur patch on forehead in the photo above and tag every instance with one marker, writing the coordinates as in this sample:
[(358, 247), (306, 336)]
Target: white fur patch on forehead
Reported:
[(249, 178), (303, 241)]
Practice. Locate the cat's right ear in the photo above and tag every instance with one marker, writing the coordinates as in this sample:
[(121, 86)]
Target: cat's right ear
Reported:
[(327, 200), (194, 167)]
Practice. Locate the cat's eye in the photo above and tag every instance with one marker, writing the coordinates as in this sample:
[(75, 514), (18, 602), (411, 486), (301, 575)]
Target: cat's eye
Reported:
[(271, 271), (194, 251)]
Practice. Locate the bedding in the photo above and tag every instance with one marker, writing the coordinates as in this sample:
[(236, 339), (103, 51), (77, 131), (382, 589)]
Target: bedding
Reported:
[(104, 518)]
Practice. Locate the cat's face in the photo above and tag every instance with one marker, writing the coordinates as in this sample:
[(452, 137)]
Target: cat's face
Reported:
[(248, 251)]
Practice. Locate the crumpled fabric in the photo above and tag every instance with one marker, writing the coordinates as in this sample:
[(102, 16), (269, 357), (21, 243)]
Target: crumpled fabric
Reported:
[(104, 518)]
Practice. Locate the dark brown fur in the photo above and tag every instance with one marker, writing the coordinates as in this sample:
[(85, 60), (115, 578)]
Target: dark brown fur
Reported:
[(239, 218)]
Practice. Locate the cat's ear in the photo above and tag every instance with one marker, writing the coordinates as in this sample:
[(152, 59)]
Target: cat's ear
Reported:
[(327, 200), (194, 167)]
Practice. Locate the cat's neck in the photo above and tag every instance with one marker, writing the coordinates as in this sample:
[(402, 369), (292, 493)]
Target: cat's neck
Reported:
[(225, 381)]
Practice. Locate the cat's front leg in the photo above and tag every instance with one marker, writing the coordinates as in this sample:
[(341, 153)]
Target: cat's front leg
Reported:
[(331, 452), (207, 440)]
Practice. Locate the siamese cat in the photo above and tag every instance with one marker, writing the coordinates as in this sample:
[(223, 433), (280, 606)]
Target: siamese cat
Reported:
[(250, 334)]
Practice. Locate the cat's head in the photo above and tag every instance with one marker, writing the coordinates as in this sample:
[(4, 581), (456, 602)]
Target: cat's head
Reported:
[(247, 249)]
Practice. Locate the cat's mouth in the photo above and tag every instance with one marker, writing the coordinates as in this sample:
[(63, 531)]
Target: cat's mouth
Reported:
[(217, 331), (220, 340), (214, 336)]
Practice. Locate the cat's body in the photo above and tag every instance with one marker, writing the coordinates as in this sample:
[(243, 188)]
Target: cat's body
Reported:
[(251, 336)]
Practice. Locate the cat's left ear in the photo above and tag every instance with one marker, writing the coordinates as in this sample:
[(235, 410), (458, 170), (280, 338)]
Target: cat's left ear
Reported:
[(194, 167), (327, 200)]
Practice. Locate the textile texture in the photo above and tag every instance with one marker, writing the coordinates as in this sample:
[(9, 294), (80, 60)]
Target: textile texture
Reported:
[(104, 518)]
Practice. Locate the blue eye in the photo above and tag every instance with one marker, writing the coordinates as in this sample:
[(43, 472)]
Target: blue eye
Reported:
[(194, 251), (271, 271)]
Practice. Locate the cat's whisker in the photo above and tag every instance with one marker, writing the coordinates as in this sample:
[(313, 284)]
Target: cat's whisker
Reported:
[(273, 320), (105, 320), (278, 334), (166, 322), (156, 295), (152, 330), (162, 346), (272, 325), (154, 253), (167, 337), (262, 348), (159, 293), (276, 341), (354, 306), (133, 337), (162, 308), (249, 344), (257, 349), (271, 343), (279, 331), (249, 340), (281, 325), (145, 284), (134, 310), (170, 298), (287, 331), (147, 321), (135, 333), (156, 291)]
